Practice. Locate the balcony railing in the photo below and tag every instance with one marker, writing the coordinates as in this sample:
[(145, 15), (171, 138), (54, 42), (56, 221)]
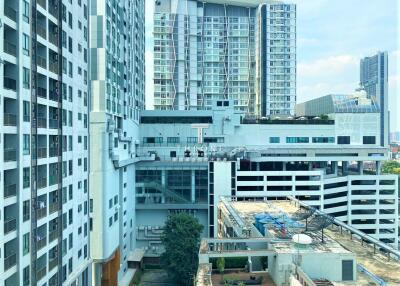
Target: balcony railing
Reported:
[(41, 242), (42, 92), (53, 263), (53, 235), (54, 151), (53, 67), (54, 95), (42, 3), (42, 152), (42, 122), (10, 119), (10, 154), (10, 83), (42, 183), (10, 48), (53, 123), (10, 261), (10, 225), (53, 38), (41, 273), (41, 31), (42, 62), (41, 213), (53, 9), (11, 13), (53, 208), (10, 191)]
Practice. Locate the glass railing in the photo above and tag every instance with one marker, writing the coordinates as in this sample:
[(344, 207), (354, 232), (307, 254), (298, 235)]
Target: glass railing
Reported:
[(10, 154), (41, 152), (42, 92), (42, 62), (10, 225), (41, 31), (10, 191), (10, 119), (10, 83), (10, 48), (41, 273), (10, 261), (11, 13), (42, 183), (42, 122)]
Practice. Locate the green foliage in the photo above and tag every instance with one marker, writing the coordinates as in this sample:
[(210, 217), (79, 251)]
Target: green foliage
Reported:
[(241, 283), (391, 167), (181, 239), (231, 262), (221, 264), (324, 117)]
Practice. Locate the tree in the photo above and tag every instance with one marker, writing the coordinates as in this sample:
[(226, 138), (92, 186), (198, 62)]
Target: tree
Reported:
[(221, 264), (181, 239), (391, 167)]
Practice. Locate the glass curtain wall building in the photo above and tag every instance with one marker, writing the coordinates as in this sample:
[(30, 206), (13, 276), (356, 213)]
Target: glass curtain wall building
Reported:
[(214, 50)]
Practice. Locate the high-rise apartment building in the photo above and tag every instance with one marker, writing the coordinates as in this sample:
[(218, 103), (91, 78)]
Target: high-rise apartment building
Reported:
[(374, 79), (44, 143), (117, 95), (214, 50)]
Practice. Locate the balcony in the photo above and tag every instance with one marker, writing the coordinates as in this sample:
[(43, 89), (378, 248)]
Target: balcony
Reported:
[(41, 31), (10, 119), (42, 152), (53, 208), (42, 92), (42, 3), (53, 124), (53, 263), (53, 8), (10, 48), (41, 242), (42, 62), (53, 37), (10, 12), (42, 122), (10, 83), (10, 261), (42, 183), (53, 235), (10, 154), (54, 152), (10, 225), (41, 273), (10, 191)]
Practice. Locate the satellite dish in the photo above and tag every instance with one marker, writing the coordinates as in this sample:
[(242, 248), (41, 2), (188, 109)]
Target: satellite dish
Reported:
[(302, 239)]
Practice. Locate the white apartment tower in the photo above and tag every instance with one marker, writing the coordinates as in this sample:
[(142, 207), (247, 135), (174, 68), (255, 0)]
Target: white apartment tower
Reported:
[(44, 161), (243, 51), (117, 95)]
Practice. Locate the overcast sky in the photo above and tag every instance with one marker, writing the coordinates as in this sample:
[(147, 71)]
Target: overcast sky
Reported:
[(332, 36)]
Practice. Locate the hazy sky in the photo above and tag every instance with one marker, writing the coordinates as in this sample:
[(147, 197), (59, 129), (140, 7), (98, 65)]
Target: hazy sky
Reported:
[(332, 36)]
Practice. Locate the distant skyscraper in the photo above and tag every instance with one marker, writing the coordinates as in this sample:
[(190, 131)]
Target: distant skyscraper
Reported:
[(374, 79), (239, 50), (117, 93)]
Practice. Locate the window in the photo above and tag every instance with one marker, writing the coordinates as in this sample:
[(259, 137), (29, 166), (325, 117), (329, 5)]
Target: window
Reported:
[(70, 69), (173, 140), (25, 15), (26, 145), (25, 243), (192, 140), (323, 140), (26, 78), (153, 140), (70, 19), (26, 276), (25, 210), (369, 140), (26, 111), (26, 178), (25, 44), (274, 139), (214, 140), (343, 139), (297, 139), (70, 118)]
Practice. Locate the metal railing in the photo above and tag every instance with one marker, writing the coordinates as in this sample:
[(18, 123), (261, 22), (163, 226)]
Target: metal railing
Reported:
[(53, 208), (42, 122), (53, 67), (10, 261), (53, 123), (53, 263), (41, 61), (42, 183), (53, 152), (41, 152), (10, 48), (10, 119), (41, 273), (41, 242), (10, 191), (41, 213), (53, 38), (42, 92), (11, 13), (10, 225), (10, 83), (54, 95), (53, 235), (10, 154), (53, 179), (53, 10), (41, 31)]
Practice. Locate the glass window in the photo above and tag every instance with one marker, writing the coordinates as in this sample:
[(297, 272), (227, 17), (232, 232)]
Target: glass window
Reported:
[(25, 243), (26, 145), (297, 139), (274, 140), (369, 140), (25, 44), (26, 111), (192, 140), (174, 140), (25, 210), (25, 15), (26, 78), (323, 140), (26, 177), (343, 139)]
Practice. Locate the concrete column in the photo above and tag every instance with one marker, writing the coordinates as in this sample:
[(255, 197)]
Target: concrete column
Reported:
[(335, 167), (378, 167), (360, 165), (193, 187), (163, 175)]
